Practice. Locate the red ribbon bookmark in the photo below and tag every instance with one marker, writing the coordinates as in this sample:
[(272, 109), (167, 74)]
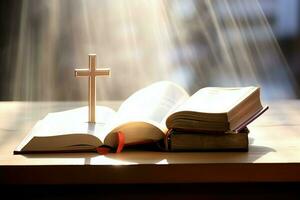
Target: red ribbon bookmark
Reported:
[(121, 142)]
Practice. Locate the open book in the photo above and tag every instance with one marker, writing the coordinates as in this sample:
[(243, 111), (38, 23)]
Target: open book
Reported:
[(145, 116)]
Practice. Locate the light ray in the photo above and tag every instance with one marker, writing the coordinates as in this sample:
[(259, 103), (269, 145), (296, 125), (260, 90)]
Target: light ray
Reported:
[(193, 43)]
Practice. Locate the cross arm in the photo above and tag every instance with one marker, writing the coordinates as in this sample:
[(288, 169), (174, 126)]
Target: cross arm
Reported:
[(87, 72), (102, 72), (82, 72)]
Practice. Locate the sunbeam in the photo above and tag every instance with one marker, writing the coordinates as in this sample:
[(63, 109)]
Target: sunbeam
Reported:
[(193, 43)]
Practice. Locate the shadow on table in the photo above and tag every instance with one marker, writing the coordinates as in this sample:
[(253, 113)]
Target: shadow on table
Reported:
[(157, 157), (152, 155)]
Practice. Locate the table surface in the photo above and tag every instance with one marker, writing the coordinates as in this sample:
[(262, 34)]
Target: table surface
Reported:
[(274, 153)]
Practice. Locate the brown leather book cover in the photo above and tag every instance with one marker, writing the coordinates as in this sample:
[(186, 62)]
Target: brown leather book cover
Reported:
[(181, 140)]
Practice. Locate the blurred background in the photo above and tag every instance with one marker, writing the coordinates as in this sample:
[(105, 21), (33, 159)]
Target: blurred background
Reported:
[(195, 43)]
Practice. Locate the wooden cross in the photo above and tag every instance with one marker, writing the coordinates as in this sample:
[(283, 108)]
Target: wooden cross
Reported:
[(92, 72)]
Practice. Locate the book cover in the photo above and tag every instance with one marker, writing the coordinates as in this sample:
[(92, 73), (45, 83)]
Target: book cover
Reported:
[(181, 140)]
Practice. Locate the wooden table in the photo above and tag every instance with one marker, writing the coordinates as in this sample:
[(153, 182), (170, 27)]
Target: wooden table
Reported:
[(274, 154)]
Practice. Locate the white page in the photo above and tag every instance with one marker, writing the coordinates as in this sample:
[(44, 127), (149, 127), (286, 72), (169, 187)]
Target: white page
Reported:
[(152, 103), (215, 99), (75, 121)]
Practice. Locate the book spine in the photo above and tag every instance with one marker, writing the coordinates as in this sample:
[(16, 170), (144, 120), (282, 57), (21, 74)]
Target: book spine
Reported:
[(178, 141)]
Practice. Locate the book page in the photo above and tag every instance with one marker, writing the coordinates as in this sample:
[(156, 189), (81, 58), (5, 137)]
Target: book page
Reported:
[(216, 99), (153, 103), (142, 116), (75, 121), (67, 130)]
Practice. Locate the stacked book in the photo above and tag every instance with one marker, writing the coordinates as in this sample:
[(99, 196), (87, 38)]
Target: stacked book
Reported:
[(219, 124)]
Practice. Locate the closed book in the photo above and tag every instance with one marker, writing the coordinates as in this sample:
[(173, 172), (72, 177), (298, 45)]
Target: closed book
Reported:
[(182, 140)]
